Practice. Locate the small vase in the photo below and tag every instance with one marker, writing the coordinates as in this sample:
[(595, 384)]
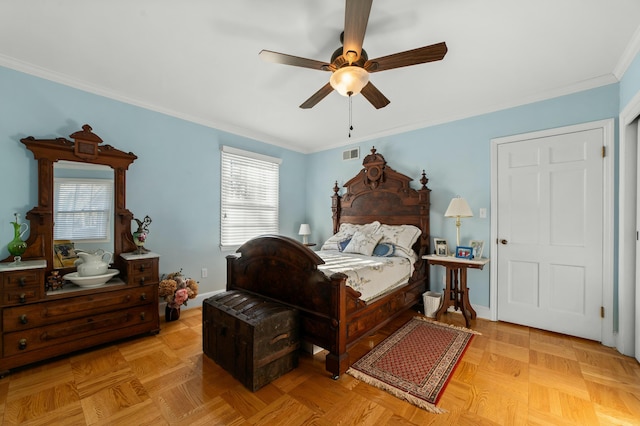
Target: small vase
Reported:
[(171, 314), (141, 234), (17, 246), (139, 238)]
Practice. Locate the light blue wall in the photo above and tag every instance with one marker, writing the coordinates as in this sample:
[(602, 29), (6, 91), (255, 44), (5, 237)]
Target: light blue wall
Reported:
[(175, 180), (456, 158), (176, 177)]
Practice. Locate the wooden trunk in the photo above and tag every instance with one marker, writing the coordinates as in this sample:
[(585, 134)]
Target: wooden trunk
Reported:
[(253, 339)]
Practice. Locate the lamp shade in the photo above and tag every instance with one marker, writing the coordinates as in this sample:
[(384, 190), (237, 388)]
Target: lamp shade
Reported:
[(305, 229), (349, 80), (458, 207)]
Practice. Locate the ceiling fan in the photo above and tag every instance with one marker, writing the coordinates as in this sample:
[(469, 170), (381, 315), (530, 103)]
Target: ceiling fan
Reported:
[(350, 65)]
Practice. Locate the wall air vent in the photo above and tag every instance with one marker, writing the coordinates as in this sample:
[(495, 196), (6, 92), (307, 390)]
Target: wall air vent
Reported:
[(351, 154)]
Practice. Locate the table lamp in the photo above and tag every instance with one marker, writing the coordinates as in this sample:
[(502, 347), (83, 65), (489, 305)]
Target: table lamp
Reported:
[(305, 231), (458, 208)]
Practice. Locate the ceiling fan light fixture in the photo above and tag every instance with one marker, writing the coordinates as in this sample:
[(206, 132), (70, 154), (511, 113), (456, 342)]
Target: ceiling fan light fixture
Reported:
[(349, 80)]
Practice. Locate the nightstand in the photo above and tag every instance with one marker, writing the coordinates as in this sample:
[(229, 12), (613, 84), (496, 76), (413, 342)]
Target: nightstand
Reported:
[(456, 293)]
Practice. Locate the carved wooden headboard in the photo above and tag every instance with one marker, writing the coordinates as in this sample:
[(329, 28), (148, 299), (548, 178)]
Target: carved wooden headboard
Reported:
[(380, 193)]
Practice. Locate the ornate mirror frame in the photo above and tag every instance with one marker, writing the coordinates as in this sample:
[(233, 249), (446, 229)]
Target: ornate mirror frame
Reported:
[(85, 148)]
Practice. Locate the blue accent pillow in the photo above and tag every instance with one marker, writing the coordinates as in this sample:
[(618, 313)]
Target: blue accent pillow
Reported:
[(343, 244), (384, 250)]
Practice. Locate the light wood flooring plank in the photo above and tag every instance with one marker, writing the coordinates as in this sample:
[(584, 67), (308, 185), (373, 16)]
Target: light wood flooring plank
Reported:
[(509, 375)]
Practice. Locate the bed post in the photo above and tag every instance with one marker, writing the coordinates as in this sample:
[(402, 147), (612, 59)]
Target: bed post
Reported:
[(337, 360), (425, 239), (230, 271), (424, 215), (335, 208)]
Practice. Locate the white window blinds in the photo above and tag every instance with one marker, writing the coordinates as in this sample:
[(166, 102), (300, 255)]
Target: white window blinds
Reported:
[(83, 209), (249, 192)]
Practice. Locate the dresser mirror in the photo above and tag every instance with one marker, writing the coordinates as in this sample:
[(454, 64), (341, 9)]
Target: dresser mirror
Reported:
[(84, 156), (82, 210)]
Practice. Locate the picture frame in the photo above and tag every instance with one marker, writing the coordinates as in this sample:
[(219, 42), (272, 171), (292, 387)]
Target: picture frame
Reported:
[(464, 252), (478, 247), (441, 247), (65, 254)]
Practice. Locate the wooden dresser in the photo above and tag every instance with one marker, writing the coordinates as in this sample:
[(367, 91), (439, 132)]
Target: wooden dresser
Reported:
[(38, 325)]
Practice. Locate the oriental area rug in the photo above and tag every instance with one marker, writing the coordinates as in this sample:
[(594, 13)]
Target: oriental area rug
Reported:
[(416, 362)]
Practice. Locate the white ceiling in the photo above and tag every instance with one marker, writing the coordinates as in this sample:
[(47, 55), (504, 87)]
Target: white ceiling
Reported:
[(198, 59)]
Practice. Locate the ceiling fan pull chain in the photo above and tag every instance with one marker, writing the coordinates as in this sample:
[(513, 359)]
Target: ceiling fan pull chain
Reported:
[(350, 114)]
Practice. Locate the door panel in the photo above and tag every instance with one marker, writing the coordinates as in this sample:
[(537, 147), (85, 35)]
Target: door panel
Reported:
[(550, 194)]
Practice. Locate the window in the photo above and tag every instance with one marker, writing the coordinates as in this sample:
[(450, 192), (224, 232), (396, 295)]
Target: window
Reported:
[(249, 192), (83, 209)]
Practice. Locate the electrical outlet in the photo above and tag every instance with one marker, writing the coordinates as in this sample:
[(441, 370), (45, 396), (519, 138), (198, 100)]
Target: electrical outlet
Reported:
[(483, 213), (205, 272)]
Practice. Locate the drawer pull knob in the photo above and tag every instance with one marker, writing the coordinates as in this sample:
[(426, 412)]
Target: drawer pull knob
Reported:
[(141, 268), (143, 296), (22, 344), (142, 316), (142, 281), (22, 281), (23, 319), (22, 298)]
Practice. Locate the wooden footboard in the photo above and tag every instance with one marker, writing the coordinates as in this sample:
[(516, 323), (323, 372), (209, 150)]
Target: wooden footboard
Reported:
[(331, 313)]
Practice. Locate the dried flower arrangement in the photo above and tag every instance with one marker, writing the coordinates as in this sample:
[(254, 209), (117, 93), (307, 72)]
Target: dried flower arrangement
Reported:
[(177, 290)]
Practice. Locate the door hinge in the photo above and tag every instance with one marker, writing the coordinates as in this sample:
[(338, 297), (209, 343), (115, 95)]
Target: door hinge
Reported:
[(601, 311), (604, 151)]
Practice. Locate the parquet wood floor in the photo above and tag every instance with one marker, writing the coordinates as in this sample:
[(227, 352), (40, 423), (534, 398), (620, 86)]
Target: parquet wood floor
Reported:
[(510, 375)]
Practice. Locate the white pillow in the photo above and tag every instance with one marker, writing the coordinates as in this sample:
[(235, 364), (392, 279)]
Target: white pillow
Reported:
[(409, 254), (346, 231), (334, 240), (404, 236), (368, 228), (363, 243)]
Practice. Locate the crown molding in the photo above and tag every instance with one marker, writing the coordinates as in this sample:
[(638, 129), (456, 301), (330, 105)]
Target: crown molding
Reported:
[(629, 54)]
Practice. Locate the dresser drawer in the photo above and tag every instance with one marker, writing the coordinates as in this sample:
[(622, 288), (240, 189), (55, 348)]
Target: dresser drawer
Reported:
[(20, 287), (20, 279), (143, 271), (20, 297), (36, 315), (69, 331)]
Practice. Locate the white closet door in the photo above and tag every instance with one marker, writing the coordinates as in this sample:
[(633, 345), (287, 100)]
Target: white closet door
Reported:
[(550, 232)]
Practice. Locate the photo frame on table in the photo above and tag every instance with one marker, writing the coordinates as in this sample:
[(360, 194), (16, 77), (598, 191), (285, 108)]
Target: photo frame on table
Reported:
[(478, 247), (441, 246), (464, 252)]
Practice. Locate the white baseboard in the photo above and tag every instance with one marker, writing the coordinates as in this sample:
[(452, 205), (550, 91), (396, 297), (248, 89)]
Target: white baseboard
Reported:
[(483, 312), (196, 302)]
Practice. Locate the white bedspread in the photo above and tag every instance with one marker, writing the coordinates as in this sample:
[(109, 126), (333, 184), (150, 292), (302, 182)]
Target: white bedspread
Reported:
[(370, 275)]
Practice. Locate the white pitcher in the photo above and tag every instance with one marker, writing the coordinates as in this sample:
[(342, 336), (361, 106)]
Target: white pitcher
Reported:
[(91, 264)]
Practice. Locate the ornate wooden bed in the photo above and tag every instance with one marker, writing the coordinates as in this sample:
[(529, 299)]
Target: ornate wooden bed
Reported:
[(332, 314)]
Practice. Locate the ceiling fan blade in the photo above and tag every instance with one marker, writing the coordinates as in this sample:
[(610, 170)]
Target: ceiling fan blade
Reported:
[(317, 97), (375, 96), (281, 58), (356, 18), (435, 52)]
